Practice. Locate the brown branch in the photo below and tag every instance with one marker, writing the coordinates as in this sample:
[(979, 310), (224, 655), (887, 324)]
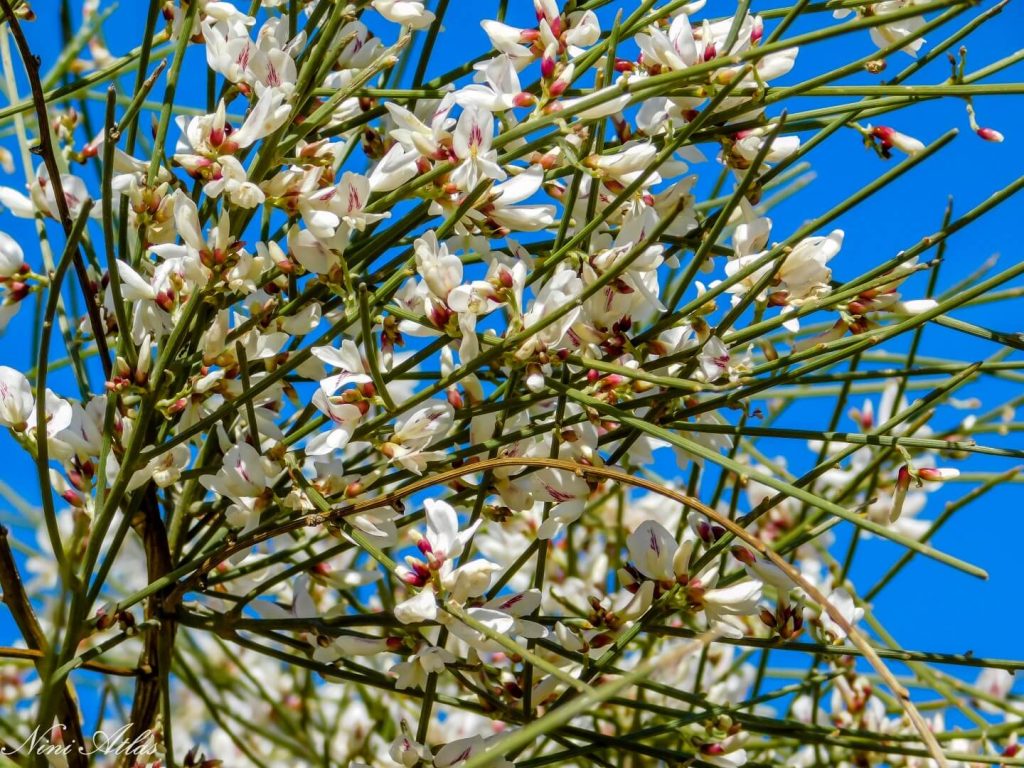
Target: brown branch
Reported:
[(28, 654), (158, 642), (16, 599), (46, 151)]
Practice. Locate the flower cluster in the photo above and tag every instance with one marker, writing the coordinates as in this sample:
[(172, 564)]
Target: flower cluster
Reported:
[(430, 407)]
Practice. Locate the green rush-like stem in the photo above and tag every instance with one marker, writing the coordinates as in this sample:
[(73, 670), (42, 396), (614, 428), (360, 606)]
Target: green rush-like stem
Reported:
[(110, 137), (807, 229), (126, 63), (42, 455), (163, 122), (49, 155), (370, 346), (583, 703), (950, 508), (787, 489)]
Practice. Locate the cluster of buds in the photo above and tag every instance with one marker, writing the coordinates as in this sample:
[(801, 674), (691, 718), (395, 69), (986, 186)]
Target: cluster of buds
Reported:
[(421, 571), (786, 620), (106, 617), (362, 396), (125, 377), (719, 741), (602, 617)]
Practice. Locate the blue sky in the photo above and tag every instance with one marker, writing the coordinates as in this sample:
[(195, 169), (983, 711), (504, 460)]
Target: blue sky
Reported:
[(929, 606)]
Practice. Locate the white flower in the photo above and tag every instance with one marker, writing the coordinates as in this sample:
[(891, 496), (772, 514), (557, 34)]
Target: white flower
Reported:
[(420, 607), (344, 419), (241, 475), (456, 752), (408, 13), (42, 199), (884, 35), (443, 539), (843, 602), (628, 163), (470, 580), (675, 50), (504, 207), (652, 550), (722, 605), (267, 115), (347, 360), (408, 443), (560, 291), (497, 87), (507, 40), (12, 258), (471, 143), (17, 401), (440, 270), (997, 683)]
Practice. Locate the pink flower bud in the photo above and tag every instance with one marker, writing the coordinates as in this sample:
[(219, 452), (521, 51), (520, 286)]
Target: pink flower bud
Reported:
[(744, 555), (547, 62), (758, 30), (889, 138), (990, 134), (524, 99), (899, 494), (938, 474)]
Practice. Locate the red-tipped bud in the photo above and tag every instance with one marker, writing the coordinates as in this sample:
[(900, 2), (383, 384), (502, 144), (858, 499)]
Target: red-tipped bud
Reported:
[(758, 30), (990, 134), (704, 531), (900, 493), (744, 555), (455, 398), (178, 406), (937, 474), (547, 62)]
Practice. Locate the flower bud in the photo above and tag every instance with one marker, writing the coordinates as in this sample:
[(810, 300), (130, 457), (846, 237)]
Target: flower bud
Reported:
[(889, 138), (938, 474), (899, 494), (990, 134)]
